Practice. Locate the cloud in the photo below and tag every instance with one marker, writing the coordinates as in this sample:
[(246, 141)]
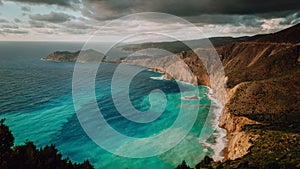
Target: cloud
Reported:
[(9, 26), (271, 24), (65, 3), (17, 20), (75, 31), (231, 30), (107, 9), (217, 19), (52, 17), (3, 21), (36, 24), (13, 31), (25, 8), (291, 19), (48, 32), (78, 25), (238, 17)]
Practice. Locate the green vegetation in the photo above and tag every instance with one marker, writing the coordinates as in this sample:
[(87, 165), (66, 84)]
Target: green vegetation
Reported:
[(265, 73), (29, 156), (273, 149)]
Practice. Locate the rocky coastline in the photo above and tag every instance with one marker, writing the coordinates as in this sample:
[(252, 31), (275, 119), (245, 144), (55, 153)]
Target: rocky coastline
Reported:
[(261, 113)]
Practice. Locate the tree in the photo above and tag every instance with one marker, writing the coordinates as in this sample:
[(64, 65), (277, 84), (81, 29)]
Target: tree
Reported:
[(28, 156), (6, 142)]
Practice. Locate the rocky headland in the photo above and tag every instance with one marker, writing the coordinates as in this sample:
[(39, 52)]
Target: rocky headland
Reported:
[(261, 113), (262, 109), (89, 55)]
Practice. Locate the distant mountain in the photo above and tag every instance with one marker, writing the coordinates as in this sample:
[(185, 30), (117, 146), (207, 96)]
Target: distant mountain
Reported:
[(66, 56), (178, 46), (289, 35)]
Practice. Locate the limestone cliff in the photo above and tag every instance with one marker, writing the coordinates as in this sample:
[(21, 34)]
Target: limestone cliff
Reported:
[(238, 140), (263, 95), (184, 66), (262, 110)]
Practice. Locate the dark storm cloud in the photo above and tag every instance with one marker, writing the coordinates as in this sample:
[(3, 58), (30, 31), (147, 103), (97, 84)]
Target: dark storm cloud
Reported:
[(236, 20), (66, 3), (103, 9), (25, 8), (52, 17)]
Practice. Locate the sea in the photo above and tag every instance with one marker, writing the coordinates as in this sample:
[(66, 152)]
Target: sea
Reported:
[(37, 101)]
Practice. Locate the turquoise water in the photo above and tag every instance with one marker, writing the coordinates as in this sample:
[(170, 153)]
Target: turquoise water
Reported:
[(36, 100)]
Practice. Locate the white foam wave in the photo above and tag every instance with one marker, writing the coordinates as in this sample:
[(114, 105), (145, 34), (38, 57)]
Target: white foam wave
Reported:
[(158, 77), (190, 98), (220, 139)]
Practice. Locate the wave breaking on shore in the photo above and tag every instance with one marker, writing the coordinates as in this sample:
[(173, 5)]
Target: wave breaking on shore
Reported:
[(219, 135)]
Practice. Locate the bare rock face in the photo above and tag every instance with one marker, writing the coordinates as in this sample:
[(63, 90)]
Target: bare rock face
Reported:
[(238, 140), (184, 67), (249, 61), (263, 80), (263, 90)]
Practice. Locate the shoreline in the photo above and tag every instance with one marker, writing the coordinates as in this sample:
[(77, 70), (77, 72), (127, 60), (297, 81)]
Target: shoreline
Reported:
[(221, 137), (219, 146)]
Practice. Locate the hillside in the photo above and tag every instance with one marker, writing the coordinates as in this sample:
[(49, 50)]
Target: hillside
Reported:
[(179, 46), (289, 35), (262, 109), (66, 56)]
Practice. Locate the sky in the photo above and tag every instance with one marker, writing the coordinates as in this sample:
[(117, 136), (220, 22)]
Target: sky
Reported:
[(78, 20)]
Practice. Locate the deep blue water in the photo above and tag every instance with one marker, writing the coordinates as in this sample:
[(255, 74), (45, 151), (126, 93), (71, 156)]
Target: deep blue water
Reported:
[(36, 100)]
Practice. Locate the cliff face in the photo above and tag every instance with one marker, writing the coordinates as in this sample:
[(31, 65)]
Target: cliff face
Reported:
[(248, 61), (238, 140), (262, 108), (262, 111), (184, 66)]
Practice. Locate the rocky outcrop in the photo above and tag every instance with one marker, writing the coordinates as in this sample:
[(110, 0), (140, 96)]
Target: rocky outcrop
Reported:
[(250, 61), (263, 79), (80, 56), (185, 67), (239, 141), (263, 92)]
